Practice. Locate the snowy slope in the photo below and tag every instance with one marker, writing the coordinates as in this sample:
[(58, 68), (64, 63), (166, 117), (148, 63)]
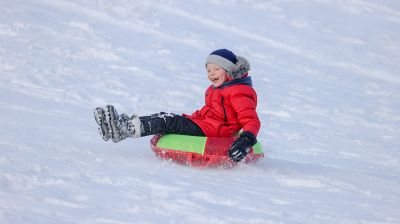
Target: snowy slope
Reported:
[(326, 73)]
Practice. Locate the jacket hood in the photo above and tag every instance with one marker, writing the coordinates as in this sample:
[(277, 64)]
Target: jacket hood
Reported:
[(242, 81)]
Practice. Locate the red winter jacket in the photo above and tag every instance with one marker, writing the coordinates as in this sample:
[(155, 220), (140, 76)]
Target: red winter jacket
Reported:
[(229, 108)]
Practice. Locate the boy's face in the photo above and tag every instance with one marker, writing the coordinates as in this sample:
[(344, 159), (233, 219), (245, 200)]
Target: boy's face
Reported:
[(216, 75)]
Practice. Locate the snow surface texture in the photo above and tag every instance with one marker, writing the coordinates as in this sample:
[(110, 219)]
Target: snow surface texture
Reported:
[(327, 77)]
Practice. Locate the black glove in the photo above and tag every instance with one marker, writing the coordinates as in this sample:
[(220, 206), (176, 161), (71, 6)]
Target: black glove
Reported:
[(241, 146)]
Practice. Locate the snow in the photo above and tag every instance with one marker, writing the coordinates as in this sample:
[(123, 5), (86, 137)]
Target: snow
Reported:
[(326, 74)]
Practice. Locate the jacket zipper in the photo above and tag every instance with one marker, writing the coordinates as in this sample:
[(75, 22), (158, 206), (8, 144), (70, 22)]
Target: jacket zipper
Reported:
[(223, 107)]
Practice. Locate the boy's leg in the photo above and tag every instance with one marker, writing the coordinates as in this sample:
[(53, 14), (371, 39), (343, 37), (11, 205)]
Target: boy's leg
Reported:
[(119, 127), (168, 123)]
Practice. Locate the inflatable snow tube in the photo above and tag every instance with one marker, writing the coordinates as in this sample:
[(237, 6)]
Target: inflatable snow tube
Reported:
[(199, 151)]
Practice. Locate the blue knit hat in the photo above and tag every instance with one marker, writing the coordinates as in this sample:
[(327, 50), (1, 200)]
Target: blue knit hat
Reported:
[(235, 66)]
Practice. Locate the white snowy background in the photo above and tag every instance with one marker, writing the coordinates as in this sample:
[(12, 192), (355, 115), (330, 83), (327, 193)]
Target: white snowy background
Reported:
[(328, 82)]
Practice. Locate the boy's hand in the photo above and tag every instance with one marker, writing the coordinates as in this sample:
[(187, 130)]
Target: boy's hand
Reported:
[(241, 146)]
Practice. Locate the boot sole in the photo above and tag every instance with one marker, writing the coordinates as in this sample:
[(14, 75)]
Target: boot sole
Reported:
[(112, 120), (101, 120)]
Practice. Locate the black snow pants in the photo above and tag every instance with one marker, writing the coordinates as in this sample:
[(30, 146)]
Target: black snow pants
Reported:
[(168, 123)]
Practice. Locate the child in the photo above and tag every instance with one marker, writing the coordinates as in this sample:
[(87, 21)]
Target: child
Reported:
[(230, 106)]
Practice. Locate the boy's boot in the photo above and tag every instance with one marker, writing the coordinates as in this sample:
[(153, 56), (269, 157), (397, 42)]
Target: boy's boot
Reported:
[(122, 126), (101, 120)]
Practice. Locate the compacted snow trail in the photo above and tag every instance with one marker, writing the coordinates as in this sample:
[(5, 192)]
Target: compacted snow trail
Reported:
[(326, 74)]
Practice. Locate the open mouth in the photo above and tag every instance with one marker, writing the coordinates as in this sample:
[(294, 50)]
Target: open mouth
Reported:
[(214, 79)]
